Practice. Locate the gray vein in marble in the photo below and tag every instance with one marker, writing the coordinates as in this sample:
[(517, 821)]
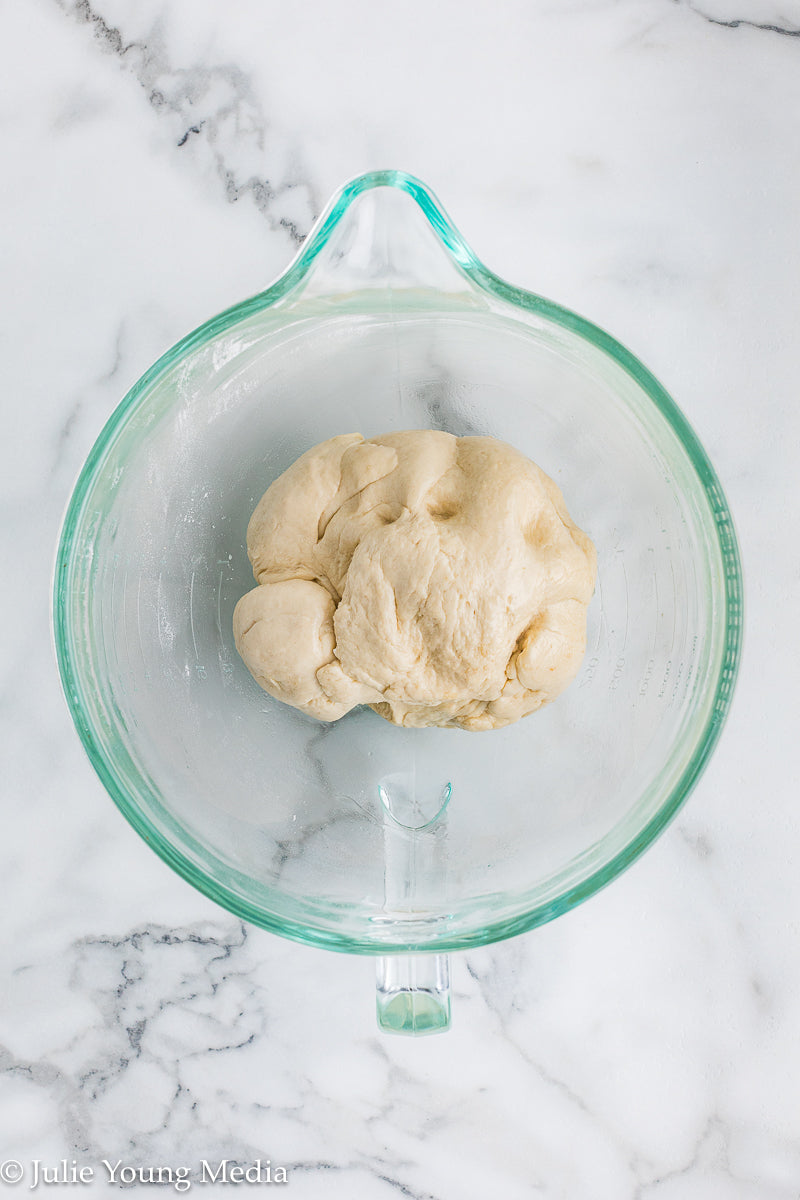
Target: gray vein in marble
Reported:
[(440, 414), (111, 373), (65, 432), (77, 405), (121, 1005), (753, 25), (715, 1137), (225, 96), (207, 997), (399, 1075), (71, 1107), (315, 748), (702, 849), (189, 132), (485, 981), (743, 22), (405, 1190), (698, 843), (114, 1004), (375, 1167), (436, 397), (292, 848)]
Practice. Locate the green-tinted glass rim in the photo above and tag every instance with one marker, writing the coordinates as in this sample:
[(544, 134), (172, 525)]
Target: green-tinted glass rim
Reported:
[(474, 269)]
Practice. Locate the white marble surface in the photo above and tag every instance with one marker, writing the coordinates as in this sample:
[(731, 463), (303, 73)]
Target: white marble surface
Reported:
[(637, 160)]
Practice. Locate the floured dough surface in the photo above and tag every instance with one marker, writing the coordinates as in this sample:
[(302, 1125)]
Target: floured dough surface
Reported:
[(439, 580)]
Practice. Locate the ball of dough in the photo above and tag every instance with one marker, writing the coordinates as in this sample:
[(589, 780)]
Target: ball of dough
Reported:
[(438, 579)]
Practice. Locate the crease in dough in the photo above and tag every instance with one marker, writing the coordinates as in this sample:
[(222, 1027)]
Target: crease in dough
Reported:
[(439, 580)]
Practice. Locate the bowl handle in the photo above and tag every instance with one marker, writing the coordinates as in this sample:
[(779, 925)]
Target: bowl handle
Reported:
[(413, 990), (384, 232), (413, 993)]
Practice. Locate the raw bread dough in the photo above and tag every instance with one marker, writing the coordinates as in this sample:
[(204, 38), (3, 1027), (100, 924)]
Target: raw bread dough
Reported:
[(439, 580)]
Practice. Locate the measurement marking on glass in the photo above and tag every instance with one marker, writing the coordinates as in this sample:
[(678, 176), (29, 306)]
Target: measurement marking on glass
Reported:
[(602, 620), (125, 618), (652, 551), (191, 619), (139, 626), (681, 665)]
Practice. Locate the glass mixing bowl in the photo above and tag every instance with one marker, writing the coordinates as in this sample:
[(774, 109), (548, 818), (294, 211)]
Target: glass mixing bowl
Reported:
[(357, 835)]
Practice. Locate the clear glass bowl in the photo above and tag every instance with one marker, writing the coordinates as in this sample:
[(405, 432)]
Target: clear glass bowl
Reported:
[(332, 834)]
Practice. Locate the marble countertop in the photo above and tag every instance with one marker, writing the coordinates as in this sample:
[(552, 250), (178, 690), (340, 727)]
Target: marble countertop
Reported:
[(636, 160)]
